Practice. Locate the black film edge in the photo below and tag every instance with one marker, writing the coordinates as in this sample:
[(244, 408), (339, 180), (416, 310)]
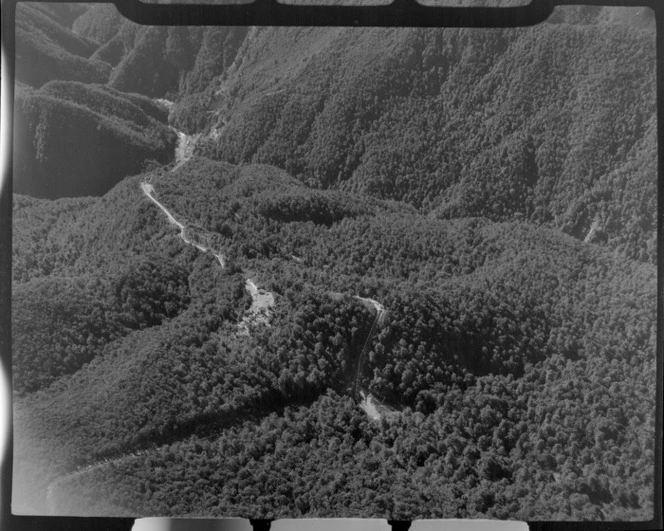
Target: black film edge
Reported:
[(400, 13)]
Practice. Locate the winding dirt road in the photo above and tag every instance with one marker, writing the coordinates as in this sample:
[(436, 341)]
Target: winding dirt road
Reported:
[(148, 190), (380, 311)]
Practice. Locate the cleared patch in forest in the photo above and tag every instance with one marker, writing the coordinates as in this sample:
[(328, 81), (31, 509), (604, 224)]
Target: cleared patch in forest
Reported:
[(259, 312)]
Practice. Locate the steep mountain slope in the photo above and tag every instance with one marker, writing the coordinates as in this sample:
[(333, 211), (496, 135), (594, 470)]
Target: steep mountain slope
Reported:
[(507, 324), (553, 124), (73, 139), (93, 44), (542, 131), (99, 23), (171, 62)]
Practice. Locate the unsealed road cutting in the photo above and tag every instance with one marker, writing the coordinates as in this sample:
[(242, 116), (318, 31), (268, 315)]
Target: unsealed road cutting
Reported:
[(148, 190)]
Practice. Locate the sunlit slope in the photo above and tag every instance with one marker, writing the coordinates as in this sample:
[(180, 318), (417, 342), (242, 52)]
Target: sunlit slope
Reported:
[(551, 124)]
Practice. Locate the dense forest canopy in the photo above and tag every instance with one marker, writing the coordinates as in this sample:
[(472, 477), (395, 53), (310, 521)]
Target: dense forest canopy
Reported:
[(493, 330), (459, 223)]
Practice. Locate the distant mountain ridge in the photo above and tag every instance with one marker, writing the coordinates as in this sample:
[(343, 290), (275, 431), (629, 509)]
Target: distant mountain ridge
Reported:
[(47, 49), (390, 114)]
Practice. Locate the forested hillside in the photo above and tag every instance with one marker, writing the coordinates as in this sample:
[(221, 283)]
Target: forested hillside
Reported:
[(74, 139), (506, 124), (47, 49), (458, 224), (495, 333)]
